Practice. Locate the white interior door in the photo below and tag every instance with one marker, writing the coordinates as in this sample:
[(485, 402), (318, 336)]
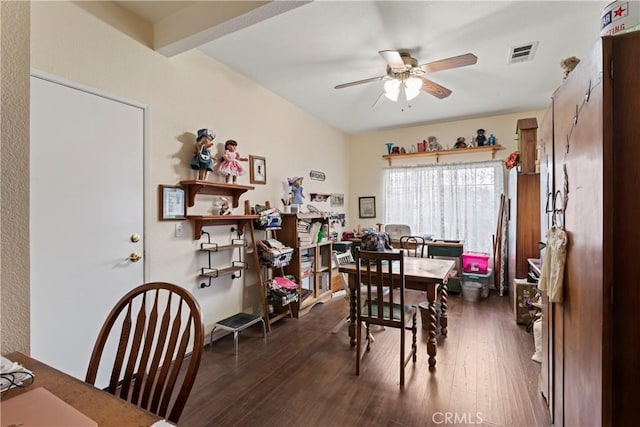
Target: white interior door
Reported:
[(86, 187)]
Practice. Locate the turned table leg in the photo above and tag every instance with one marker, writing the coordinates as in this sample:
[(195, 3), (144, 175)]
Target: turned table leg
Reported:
[(431, 343), (443, 310), (352, 310)]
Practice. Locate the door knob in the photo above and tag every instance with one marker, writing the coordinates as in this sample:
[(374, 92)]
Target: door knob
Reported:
[(134, 257)]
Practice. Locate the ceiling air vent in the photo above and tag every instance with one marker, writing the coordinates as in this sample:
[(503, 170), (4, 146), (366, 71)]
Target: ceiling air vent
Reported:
[(522, 53)]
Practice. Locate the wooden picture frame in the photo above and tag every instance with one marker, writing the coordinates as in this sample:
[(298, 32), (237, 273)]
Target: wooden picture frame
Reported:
[(257, 170), (173, 205), (367, 207)]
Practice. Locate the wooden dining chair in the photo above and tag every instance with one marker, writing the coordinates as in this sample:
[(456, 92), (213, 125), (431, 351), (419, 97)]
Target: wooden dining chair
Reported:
[(143, 346), (376, 270), (413, 245), (342, 259)]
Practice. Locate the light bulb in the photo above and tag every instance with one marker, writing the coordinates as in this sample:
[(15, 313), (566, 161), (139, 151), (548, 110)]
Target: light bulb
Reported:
[(412, 87), (392, 89)]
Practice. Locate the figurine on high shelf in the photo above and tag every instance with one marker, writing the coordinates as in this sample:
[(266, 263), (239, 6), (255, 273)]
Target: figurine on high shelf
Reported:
[(230, 166), (202, 160), (296, 190), (480, 139)]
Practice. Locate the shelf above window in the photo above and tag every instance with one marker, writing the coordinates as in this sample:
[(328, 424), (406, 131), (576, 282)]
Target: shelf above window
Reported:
[(457, 151)]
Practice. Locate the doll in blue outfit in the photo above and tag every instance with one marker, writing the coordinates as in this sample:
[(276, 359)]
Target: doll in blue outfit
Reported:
[(202, 161), (296, 190)]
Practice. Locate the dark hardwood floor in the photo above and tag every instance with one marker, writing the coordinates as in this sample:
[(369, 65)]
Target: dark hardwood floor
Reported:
[(304, 375)]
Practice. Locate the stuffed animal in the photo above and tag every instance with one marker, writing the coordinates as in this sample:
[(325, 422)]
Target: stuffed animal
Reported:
[(434, 145), (568, 64), (221, 206), (480, 138), (460, 142)]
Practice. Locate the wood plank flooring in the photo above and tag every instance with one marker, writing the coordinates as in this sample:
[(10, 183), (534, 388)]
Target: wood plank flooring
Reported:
[(304, 375)]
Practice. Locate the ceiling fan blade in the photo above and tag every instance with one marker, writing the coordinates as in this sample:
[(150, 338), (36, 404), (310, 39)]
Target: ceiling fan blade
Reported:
[(357, 82), (435, 89), (393, 58), (453, 62)]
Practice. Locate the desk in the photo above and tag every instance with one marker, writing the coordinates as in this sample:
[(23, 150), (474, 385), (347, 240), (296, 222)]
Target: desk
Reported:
[(102, 407), (422, 274)]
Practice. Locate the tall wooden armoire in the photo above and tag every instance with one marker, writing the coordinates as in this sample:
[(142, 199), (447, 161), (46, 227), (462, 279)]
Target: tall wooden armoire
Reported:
[(590, 163), (524, 205)]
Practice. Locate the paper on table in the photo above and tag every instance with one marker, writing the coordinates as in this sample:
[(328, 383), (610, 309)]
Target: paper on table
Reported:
[(40, 407)]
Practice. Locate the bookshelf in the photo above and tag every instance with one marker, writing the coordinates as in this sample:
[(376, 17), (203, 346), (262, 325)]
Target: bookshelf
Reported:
[(311, 260)]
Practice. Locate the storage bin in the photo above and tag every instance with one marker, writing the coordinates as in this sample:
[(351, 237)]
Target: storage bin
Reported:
[(471, 291), (483, 279), (475, 262)]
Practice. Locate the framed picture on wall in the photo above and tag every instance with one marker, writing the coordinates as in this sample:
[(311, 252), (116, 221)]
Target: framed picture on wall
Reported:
[(172, 202), (257, 170), (337, 199), (367, 207)]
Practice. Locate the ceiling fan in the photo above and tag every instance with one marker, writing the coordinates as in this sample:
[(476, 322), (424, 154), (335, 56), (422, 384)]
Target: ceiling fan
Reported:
[(405, 78)]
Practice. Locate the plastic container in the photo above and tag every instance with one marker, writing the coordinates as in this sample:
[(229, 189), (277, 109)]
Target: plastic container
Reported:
[(483, 279), (475, 262), (471, 291)]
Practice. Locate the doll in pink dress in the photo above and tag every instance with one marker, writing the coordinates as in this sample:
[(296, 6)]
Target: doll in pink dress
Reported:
[(230, 165)]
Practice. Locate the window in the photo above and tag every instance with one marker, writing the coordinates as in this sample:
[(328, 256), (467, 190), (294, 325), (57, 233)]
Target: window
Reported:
[(459, 201)]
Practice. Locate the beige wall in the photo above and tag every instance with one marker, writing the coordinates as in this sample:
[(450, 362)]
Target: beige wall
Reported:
[(185, 93), (14, 163), (366, 151)]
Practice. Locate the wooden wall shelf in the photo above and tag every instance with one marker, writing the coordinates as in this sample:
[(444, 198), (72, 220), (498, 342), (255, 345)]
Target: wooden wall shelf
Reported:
[(474, 150), (215, 189), (200, 221)]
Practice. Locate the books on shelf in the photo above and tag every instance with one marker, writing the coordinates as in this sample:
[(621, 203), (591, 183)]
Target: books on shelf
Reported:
[(304, 237)]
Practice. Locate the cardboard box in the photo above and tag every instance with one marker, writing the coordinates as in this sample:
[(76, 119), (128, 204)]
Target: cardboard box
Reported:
[(523, 290)]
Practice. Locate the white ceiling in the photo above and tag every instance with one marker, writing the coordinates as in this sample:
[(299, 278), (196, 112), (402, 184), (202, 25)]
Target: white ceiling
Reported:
[(302, 53)]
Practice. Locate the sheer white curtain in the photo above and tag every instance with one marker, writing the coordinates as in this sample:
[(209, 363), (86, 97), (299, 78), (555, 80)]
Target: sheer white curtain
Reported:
[(457, 201)]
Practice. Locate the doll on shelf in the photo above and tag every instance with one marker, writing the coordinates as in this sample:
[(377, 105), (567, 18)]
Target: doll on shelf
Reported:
[(221, 207), (296, 190), (481, 140), (230, 166), (433, 144), (202, 160)]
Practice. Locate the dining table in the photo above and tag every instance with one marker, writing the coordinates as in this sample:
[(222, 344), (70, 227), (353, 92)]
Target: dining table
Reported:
[(104, 408), (423, 274)]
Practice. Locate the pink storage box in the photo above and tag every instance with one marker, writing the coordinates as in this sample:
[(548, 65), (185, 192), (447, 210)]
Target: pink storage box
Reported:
[(475, 262)]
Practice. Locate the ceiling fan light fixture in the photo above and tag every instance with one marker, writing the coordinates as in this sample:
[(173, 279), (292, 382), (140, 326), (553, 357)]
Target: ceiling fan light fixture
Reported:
[(412, 87), (392, 89)]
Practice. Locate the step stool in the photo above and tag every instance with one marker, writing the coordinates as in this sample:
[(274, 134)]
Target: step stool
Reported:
[(236, 324)]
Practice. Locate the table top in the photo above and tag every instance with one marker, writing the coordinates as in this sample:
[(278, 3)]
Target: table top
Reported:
[(102, 407), (419, 269)]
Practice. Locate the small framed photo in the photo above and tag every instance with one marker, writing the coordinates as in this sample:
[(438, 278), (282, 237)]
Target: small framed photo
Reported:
[(367, 207), (172, 202), (337, 199), (257, 170)]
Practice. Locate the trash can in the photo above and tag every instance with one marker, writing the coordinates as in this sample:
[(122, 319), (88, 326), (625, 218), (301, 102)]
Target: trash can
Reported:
[(483, 279), (471, 291)]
